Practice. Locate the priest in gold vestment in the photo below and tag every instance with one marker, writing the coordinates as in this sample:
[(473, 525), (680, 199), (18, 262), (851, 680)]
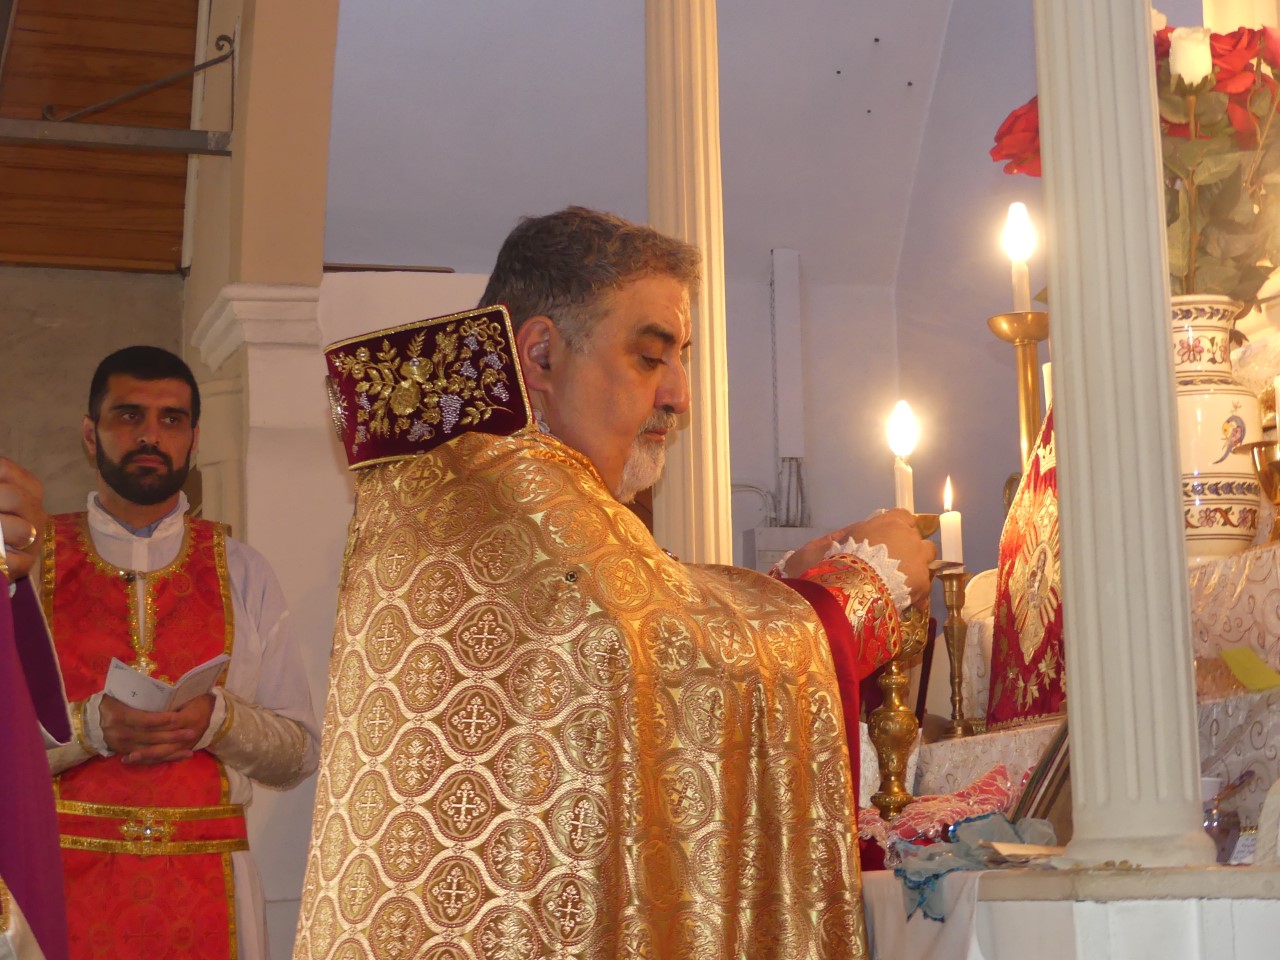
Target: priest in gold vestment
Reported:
[(546, 737)]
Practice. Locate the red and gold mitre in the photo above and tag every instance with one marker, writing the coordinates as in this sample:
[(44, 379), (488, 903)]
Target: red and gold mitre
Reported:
[(406, 390)]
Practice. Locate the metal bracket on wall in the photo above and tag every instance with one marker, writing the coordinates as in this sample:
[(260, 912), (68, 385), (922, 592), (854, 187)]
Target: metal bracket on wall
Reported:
[(61, 130)]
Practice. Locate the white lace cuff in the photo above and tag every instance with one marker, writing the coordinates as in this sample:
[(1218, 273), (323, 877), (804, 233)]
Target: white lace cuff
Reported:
[(883, 564)]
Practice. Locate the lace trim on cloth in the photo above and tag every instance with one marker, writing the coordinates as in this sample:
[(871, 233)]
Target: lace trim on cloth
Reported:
[(262, 745), (885, 566)]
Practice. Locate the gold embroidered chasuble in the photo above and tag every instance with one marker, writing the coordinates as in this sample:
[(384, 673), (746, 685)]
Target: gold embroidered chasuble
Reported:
[(545, 737)]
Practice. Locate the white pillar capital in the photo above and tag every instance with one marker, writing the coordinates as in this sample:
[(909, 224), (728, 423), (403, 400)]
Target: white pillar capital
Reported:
[(257, 314)]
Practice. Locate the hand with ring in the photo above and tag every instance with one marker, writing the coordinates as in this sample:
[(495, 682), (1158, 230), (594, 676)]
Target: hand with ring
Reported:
[(22, 517)]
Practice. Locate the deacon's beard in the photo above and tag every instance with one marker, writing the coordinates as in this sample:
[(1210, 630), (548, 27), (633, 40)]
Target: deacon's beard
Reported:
[(147, 488), (646, 459)]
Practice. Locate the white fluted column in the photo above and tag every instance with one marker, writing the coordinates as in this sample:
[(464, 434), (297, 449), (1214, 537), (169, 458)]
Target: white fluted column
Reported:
[(691, 509), (1134, 753)]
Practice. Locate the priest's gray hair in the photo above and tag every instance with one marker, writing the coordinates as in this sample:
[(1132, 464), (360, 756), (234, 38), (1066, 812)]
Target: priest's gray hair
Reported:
[(564, 264)]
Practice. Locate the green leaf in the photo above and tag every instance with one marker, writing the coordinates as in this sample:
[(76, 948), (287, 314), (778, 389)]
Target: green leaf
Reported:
[(1214, 168), (1261, 102), (1216, 276), (1230, 241), (1211, 109), (1173, 107), (1173, 162)]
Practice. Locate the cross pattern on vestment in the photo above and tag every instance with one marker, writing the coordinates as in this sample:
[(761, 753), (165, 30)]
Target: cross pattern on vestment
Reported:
[(593, 738), (367, 806), (378, 718), (475, 720), (709, 709), (627, 583), (484, 636), (568, 908), (149, 829), (358, 888), (395, 561), (454, 891), (385, 639), (683, 794), (583, 824), (607, 656), (465, 805)]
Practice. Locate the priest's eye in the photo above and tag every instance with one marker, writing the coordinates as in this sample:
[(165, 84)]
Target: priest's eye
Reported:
[(651, 363)]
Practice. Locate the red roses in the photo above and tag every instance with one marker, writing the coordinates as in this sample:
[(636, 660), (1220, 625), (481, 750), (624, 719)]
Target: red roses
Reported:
[(1018, 140)]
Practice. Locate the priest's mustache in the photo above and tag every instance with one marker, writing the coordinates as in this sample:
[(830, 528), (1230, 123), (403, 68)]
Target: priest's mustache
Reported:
[(147, 450)]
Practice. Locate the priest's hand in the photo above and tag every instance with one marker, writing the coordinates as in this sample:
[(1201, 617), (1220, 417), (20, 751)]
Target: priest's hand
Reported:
[(142, 737), (896, 529), (22, 517)]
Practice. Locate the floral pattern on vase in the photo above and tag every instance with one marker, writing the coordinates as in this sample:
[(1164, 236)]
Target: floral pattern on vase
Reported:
[(1216, 415)]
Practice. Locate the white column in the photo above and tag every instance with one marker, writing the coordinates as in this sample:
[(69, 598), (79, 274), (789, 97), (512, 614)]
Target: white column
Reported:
[(1134, 754), (295, 503), (691, 510)]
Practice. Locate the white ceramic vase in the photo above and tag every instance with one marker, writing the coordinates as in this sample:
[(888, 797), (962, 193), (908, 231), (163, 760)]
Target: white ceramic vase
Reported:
[(1216, 416)]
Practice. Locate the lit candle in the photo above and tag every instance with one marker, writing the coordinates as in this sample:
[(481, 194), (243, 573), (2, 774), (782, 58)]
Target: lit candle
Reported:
[(903, 431), (1019, 242), (949, 527)]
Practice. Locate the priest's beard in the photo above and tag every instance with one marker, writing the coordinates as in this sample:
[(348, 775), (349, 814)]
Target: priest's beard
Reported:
[(145, 488), (646, 459)]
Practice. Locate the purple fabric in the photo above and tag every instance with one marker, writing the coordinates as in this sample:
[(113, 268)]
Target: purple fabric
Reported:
[(29, 858), (40, 663)]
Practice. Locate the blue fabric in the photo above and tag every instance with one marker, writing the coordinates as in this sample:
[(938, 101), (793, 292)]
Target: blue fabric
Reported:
[(921, 869)]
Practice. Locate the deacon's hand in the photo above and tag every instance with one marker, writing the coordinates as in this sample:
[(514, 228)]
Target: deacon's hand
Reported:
[(22, 517), (139, 736), (896, 529)]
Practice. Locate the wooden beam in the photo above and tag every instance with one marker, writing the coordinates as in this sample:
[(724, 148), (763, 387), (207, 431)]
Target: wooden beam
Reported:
[(213, 143)]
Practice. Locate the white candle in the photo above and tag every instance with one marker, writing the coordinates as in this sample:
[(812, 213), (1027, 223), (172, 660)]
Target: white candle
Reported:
[(1019, 242), (904, 495), (903, 431), (1046, 374), (949, 527)]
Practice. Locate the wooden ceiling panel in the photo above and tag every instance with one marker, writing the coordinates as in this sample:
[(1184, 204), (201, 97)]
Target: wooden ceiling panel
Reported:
[(107, 209)]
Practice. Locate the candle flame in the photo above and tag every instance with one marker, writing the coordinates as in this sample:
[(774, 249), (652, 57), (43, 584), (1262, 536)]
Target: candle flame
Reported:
[(1019, 237), (903, 430), (946, 495)]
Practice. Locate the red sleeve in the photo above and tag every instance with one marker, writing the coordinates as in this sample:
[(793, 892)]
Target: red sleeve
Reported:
[(843, 643)]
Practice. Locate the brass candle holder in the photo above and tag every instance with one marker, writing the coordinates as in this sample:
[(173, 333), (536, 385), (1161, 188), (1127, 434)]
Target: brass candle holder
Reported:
[(955, 631), (893, 726), (1025, 329), (1266, 464)]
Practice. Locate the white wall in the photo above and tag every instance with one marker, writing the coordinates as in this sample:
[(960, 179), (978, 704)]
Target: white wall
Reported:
[(451, 120)]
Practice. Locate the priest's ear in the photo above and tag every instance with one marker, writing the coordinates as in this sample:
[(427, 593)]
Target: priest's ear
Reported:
[(536, 342), (89, 437)]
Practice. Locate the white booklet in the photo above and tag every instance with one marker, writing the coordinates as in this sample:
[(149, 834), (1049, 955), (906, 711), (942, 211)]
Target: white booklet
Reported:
[(141, 692)]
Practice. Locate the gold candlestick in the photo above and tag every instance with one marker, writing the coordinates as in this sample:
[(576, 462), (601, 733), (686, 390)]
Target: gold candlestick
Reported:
[(893, 726), (1024, 329), (955, 631)]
